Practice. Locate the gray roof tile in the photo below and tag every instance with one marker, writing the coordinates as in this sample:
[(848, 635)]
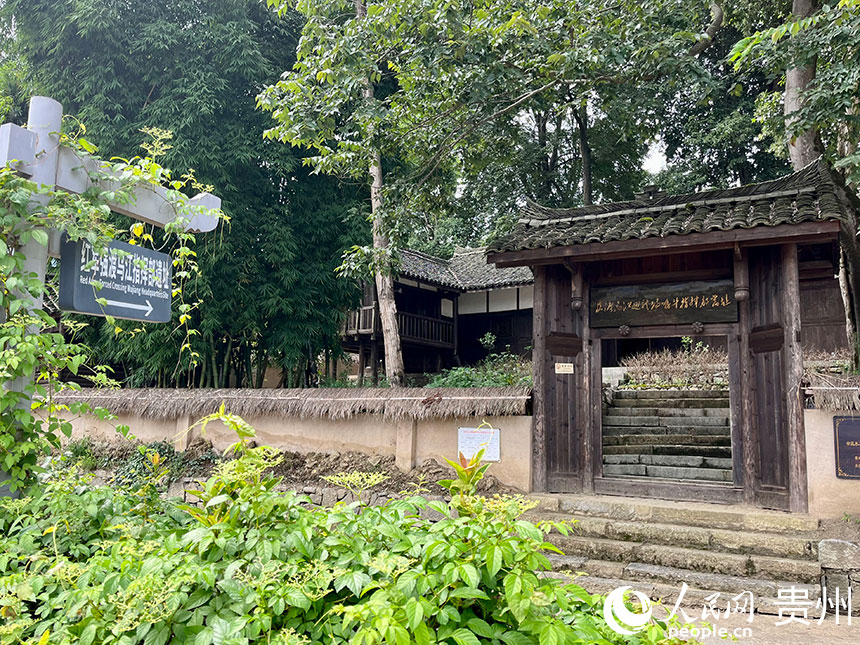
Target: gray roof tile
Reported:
[(467, 270), (804, 196)]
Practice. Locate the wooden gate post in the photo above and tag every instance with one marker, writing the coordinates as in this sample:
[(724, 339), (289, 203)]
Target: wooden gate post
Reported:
[(539, 366), (793, 367)]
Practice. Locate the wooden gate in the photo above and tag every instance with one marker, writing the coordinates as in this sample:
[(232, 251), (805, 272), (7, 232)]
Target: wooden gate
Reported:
[(765, 369)]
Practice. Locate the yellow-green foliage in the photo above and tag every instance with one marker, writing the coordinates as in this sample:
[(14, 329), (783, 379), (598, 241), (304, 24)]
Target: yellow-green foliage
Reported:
[(87, 565)]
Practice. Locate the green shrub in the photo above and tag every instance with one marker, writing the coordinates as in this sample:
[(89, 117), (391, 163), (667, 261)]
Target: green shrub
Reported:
[(85, 565), (81, 452), (497, 370)]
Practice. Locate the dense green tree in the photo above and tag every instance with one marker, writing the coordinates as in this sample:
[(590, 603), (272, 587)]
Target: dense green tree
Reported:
[(709, 129), (439, 85), (268, 290), (815, 55)]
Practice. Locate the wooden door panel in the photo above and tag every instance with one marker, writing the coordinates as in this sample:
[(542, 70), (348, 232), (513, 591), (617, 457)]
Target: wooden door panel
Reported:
[(563, 431), (767, 391)]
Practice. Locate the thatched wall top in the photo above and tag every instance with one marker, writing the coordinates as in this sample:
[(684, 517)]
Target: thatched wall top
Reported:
[(834, 392), (327, 403)]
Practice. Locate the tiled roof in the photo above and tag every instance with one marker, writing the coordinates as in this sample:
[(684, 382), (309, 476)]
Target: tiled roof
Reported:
[(467, 270), (471, 268), (808, 195)]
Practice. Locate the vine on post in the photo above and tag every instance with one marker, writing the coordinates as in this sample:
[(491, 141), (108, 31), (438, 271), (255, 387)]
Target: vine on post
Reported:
[(37, 344)]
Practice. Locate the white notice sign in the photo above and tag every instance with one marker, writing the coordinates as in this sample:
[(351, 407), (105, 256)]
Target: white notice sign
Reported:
[(471, 440), (564, 368)]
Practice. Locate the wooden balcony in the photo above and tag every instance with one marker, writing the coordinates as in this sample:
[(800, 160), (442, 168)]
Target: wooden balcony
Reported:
[(361, 321), (423, 330)]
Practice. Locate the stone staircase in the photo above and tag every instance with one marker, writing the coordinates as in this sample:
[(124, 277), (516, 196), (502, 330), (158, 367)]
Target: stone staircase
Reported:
[(655, 546), (668, 434)]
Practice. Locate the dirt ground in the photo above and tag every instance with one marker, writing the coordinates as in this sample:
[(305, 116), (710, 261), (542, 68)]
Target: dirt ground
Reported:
[(300, 471)]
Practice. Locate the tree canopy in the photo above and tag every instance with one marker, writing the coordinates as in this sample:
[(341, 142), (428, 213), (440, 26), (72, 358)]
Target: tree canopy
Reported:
[(268, 290)]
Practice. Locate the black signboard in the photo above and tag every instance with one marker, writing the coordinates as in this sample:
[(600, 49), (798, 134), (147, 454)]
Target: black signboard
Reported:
[(135, 285), (680, 303), (847, 435)]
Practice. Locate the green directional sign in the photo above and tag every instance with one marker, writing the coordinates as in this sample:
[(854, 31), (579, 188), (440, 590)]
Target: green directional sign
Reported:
[(125, 281)]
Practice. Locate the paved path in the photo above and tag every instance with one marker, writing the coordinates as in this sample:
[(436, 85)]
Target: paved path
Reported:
[(764, 631)]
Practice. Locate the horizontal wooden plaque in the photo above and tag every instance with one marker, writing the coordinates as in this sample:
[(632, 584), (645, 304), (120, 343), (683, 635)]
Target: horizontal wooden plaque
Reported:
[(767, 338), (561, 344), (711, 301), (847, 435)]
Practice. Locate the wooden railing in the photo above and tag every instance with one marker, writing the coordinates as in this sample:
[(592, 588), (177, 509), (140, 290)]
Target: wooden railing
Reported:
[(361, 321), (425, 329), (413, 327)]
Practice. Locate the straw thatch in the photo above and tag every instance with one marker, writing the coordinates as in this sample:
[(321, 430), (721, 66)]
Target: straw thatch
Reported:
[(325, 403), (832, 391)]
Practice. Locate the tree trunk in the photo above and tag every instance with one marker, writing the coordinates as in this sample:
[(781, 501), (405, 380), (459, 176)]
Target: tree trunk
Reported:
[(581, 116), (394, 368), (223, 380), (803, 148)]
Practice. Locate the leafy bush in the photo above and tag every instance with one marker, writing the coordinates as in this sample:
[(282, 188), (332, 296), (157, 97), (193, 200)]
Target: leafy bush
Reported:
[(497, 370), (247, 564)]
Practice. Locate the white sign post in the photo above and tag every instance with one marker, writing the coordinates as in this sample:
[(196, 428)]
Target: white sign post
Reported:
[(37, 154)]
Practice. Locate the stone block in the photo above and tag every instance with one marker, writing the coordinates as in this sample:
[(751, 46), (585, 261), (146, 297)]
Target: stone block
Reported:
[(839, 554), (329, 496)]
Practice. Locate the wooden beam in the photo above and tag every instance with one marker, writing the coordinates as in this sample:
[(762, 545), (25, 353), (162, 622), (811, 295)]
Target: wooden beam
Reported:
[(663, 276), (741, 276), (664, 331), (793, 366), (742, 396), (736, 396), (362, 357), (641, 487), (589, 400), (539, 365), (757, 236)]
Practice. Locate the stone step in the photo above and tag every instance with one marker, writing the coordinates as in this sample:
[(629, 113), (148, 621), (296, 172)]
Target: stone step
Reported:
[(622, 420), (663, 439), (700, 560), (712, 516), (701, 537), (643, 572), (667, 595), (710, 430), (686, 461), (668, 449), (658, 402), (668, 472), (723, 413), (670, 394)]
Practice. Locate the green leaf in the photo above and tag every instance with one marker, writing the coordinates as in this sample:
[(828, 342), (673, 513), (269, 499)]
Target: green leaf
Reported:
[(422, 634), (469, 574), (468, 592), (465, 637), (493, 556), (88, 635), (355, 581), (516, 638), (218, 499), (40, 235), (414, 613)]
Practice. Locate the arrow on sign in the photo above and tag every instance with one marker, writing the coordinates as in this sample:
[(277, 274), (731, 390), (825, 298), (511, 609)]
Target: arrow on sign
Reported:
[(131, 305)]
